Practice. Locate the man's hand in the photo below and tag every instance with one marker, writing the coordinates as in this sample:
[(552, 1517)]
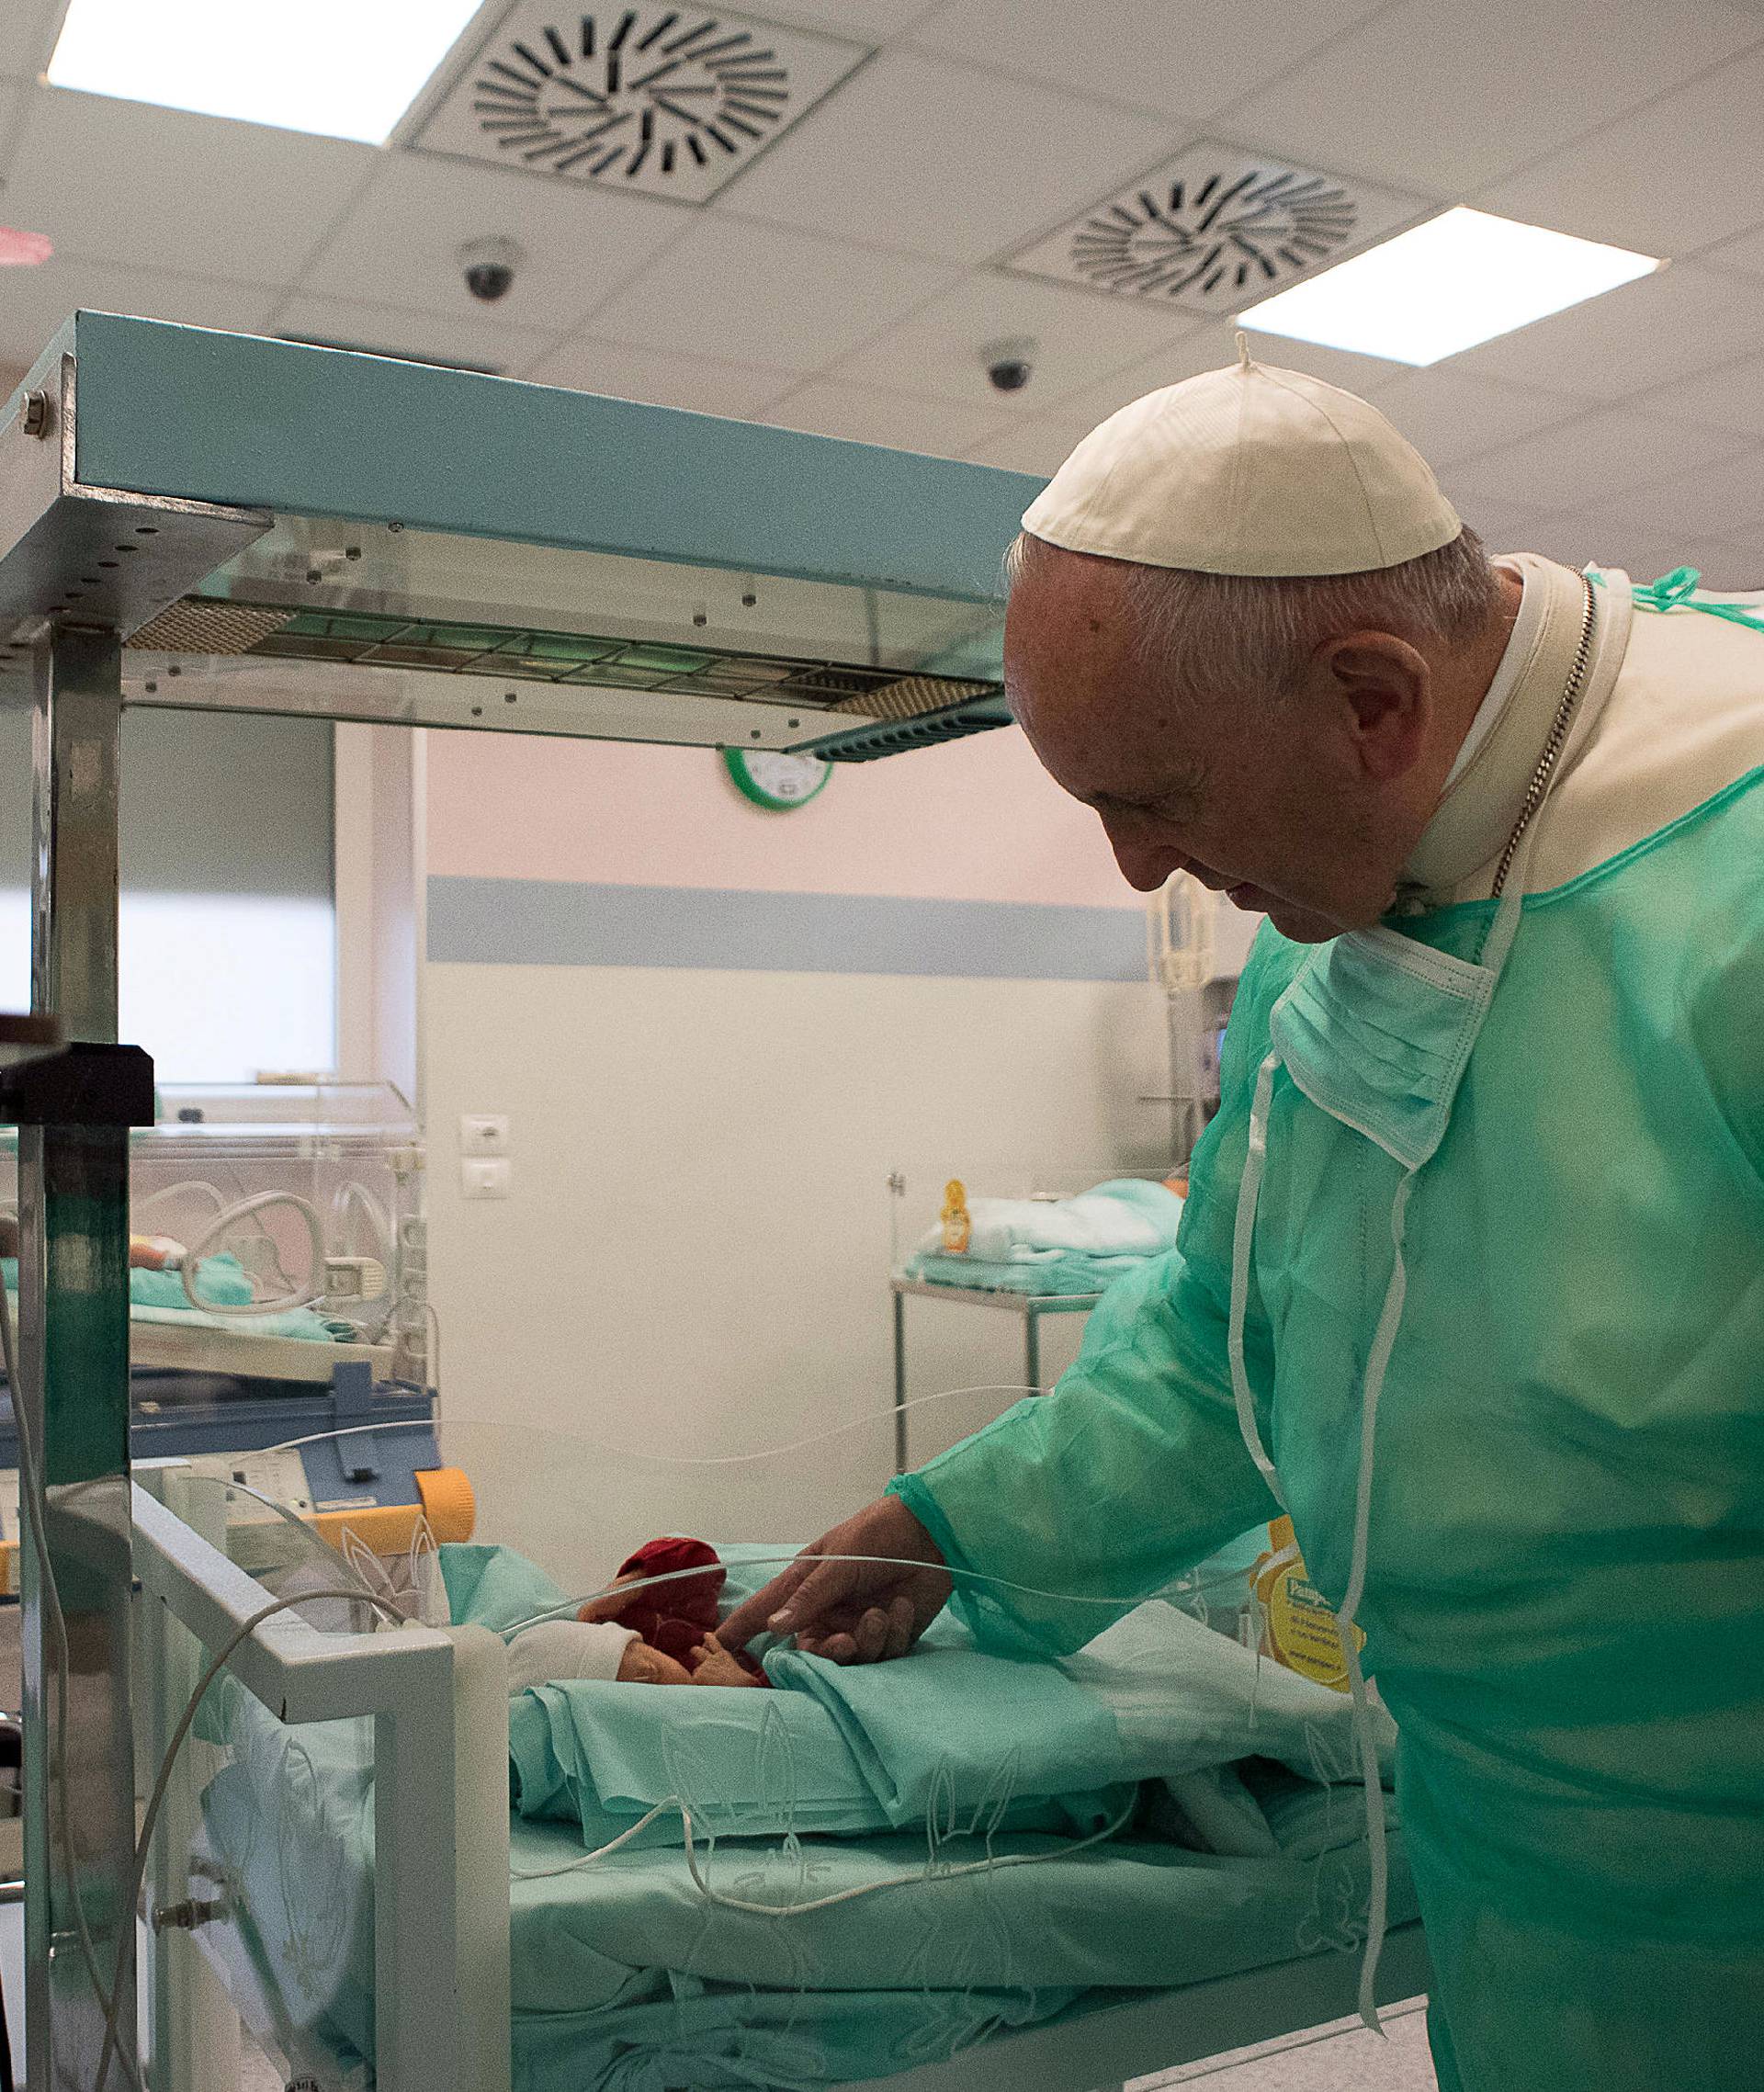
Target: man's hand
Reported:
[(852, 1613)]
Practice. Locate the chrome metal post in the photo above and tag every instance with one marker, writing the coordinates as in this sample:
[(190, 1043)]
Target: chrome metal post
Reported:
[(73, 1362), (899, 1382)]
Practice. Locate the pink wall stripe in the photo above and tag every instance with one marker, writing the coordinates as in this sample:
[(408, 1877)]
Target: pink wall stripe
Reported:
[(978, 820)]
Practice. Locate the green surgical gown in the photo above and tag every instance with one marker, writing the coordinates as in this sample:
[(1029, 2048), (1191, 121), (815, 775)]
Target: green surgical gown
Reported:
[(1564, 1608)]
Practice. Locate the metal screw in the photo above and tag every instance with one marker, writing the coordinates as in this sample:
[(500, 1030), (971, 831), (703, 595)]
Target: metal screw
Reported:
[(748, 599), (394, 526), (352, 551), (36, 415)]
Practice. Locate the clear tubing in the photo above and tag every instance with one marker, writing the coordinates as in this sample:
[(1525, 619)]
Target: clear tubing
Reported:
[(150, 1820), (621, 1589), (991, 1864), (710, 1459), (297, 1296), (169, 1191)]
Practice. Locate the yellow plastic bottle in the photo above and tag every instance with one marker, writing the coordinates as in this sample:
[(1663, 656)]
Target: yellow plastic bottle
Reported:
[(1299, 1628), (957, 1226)]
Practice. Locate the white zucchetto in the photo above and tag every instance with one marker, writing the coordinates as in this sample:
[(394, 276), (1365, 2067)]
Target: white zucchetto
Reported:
[(1249, 470)]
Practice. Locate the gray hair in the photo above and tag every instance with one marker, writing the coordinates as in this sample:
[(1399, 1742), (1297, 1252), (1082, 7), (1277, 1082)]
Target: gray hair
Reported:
[(1249, 636)]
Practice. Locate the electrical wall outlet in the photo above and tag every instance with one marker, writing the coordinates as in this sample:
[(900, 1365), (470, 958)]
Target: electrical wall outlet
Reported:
[(485, 1178), (484, 1133)]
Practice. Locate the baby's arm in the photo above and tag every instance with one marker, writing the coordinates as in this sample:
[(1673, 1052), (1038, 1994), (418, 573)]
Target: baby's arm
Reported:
[(713, 1665)]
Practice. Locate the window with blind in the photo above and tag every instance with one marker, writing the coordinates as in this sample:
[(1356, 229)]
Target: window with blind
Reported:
[(228, 915)]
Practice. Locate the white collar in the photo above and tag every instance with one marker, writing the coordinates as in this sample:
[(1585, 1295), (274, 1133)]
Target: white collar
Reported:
[(1499, 696), (1488, 783)]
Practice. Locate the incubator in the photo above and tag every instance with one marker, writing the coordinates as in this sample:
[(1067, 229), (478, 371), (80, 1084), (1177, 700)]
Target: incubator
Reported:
[(277, 1293), (934, 1873)]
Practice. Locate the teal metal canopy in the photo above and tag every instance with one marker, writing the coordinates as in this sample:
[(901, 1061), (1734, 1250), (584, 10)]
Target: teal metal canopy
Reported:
[(275, 527)]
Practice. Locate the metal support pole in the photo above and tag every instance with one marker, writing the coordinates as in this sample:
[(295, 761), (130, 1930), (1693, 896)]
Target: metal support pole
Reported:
[(1032, 1347), (73, 1362), (899, 1382), (194, 2030)]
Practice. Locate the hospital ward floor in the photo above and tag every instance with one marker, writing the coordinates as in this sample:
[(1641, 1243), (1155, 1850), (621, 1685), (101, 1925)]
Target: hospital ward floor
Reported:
[(1340, 2057)]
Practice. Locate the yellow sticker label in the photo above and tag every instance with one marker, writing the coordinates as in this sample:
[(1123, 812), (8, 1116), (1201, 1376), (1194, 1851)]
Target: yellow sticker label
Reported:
[(1303, 1632), (1298, 1626)]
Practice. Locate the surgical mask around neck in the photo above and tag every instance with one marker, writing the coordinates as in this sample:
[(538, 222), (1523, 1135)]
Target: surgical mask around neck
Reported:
[(1378, 1030)]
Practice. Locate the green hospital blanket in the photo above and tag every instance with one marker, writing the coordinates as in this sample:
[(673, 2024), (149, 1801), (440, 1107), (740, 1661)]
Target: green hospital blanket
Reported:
[(627, 1978), (1022, 1743), (159, 1296), (1055, 1275)]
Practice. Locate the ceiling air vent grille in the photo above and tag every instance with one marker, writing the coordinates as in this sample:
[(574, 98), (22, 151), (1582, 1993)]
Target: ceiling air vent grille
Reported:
[(671, 101), (1216, 230)]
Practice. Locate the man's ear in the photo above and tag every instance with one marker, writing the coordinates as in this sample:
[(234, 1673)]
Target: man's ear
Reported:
[(1385, 689)]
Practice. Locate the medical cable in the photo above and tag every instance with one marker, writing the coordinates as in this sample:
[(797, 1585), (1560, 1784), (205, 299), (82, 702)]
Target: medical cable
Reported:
[(710, 1459), (601, 1851), (150, 1820), (34, 1502), (991, 1864), (169, 1191), (883, 1561), (296, 1295)]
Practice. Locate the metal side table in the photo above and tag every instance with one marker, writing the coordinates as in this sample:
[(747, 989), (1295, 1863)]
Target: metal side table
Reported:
[(1030, 1309)]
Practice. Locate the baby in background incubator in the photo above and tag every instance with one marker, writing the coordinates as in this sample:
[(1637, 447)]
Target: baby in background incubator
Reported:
[(662, 1634)]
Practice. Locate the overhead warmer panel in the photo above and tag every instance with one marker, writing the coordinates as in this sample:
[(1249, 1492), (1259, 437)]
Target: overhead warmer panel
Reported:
[(1215, 229), (279, 528), (672, 101)]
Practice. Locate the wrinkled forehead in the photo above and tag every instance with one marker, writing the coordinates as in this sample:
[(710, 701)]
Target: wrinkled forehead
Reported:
[(1069, 634), (1103, 722)]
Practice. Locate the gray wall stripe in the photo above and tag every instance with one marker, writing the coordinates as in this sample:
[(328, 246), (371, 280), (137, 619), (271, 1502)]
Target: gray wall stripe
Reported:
[(561, 922)]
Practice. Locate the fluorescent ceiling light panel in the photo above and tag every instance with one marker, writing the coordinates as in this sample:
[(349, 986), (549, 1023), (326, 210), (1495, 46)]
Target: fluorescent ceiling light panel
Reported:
[(1461, 278), (338, 68)]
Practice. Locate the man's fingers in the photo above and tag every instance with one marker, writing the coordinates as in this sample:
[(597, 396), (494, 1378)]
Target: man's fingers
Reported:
[(753, 1615), (822, 1587), (834, 1648), (872, 1635), (900, 1626)]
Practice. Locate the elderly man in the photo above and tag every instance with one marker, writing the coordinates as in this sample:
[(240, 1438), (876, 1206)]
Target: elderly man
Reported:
[(1472, 1272)]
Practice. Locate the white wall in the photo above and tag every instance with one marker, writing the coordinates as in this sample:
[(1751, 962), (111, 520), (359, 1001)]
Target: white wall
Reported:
[(695, 1254), (693, 1261)]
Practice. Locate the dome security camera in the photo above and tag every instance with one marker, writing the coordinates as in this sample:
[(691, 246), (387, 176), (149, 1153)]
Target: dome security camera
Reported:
[(491, 266), (1009, 364)]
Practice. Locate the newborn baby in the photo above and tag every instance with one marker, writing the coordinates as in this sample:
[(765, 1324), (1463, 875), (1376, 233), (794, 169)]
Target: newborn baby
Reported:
[(664, 1634)]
